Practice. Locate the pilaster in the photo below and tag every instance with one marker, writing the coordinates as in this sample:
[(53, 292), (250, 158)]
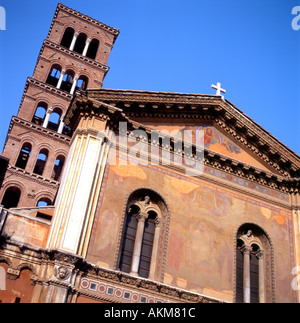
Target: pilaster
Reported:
[(79, 185)]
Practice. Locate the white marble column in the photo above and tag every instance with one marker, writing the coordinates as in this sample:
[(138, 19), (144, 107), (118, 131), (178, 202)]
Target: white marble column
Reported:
[(47, 118), (61, 124), (62, 74), (261, 268), (141, 218), (247, 292), (74, 84), (87, 45), (155, 248), (74, 41)]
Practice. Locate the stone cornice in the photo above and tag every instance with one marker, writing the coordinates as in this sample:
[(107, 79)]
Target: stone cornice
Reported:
[(33, 177), (88, 107), (190, 107), (39, 129), (48, 88), (80, 58), (115, 32)]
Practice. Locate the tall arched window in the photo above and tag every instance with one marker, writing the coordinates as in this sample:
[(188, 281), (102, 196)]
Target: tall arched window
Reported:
[(93, 49), (40, 113), (67, 81), (67, 37), (58, 167), (41, 162), (54, 75), (11, 197), (146, 213), (24, 156), (80, 43), (253, 266)]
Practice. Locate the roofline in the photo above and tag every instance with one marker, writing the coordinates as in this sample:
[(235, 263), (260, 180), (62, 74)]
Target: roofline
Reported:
[(197, 95), (108, 28)]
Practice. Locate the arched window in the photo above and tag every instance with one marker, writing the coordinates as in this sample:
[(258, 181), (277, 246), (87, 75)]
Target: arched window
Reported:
[(82, 83), (93, 49), (41, 162), (58, 167), (54, 75), (67, 81), (80, 43), (142, 234), (24, 156), (54, 120), (253, 266), (44, 202), (40, 113), (11, 197), (67, 37)]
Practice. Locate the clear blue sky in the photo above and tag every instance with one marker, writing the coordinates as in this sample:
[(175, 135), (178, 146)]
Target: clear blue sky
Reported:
[(176, 46)]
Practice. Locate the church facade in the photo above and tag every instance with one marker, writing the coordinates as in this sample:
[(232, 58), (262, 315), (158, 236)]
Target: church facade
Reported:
[(162, 198)]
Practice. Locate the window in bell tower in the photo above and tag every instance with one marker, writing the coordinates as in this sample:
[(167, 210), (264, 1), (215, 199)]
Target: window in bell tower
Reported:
[(24, 156), (67, 37)]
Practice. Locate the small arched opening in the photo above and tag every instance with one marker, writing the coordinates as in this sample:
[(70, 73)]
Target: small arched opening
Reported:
[(11, 197)]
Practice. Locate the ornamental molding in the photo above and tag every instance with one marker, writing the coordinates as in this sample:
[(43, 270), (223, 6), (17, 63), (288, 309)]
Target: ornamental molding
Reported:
[(61, 7), (82, 106), (33, 177), (188, 106), (79, 57), (39, 129), (66, 265)]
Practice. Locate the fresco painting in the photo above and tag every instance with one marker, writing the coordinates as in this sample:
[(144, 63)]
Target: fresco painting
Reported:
[(211, 138), (200, 250)]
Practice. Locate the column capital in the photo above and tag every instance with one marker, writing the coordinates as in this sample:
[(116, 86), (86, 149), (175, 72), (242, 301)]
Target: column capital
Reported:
[(142, 217), (246, 250), (260, 254)]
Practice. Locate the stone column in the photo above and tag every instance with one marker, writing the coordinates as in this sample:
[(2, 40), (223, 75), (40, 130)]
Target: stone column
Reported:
[(47, 117), (261, 268), (87, 45), (247, 250), (74, 41), (155, 248), (63, 72), (141, 217), (61, 124), (74, 84)]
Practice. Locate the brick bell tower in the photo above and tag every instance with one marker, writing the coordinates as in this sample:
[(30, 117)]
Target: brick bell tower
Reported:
[(73, 58)]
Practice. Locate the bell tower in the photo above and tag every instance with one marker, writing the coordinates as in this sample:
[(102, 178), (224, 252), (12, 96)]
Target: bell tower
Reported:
[(73, 58)]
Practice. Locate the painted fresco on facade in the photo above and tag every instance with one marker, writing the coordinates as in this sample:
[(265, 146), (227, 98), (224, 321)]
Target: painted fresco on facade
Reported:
[(211, 138), (201, 250)]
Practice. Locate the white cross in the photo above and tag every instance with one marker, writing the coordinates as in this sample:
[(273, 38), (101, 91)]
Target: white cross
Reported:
[(219, 89)]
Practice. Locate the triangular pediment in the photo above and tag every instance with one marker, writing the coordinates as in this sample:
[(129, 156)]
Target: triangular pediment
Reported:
[(215, 122), (212, 138)]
